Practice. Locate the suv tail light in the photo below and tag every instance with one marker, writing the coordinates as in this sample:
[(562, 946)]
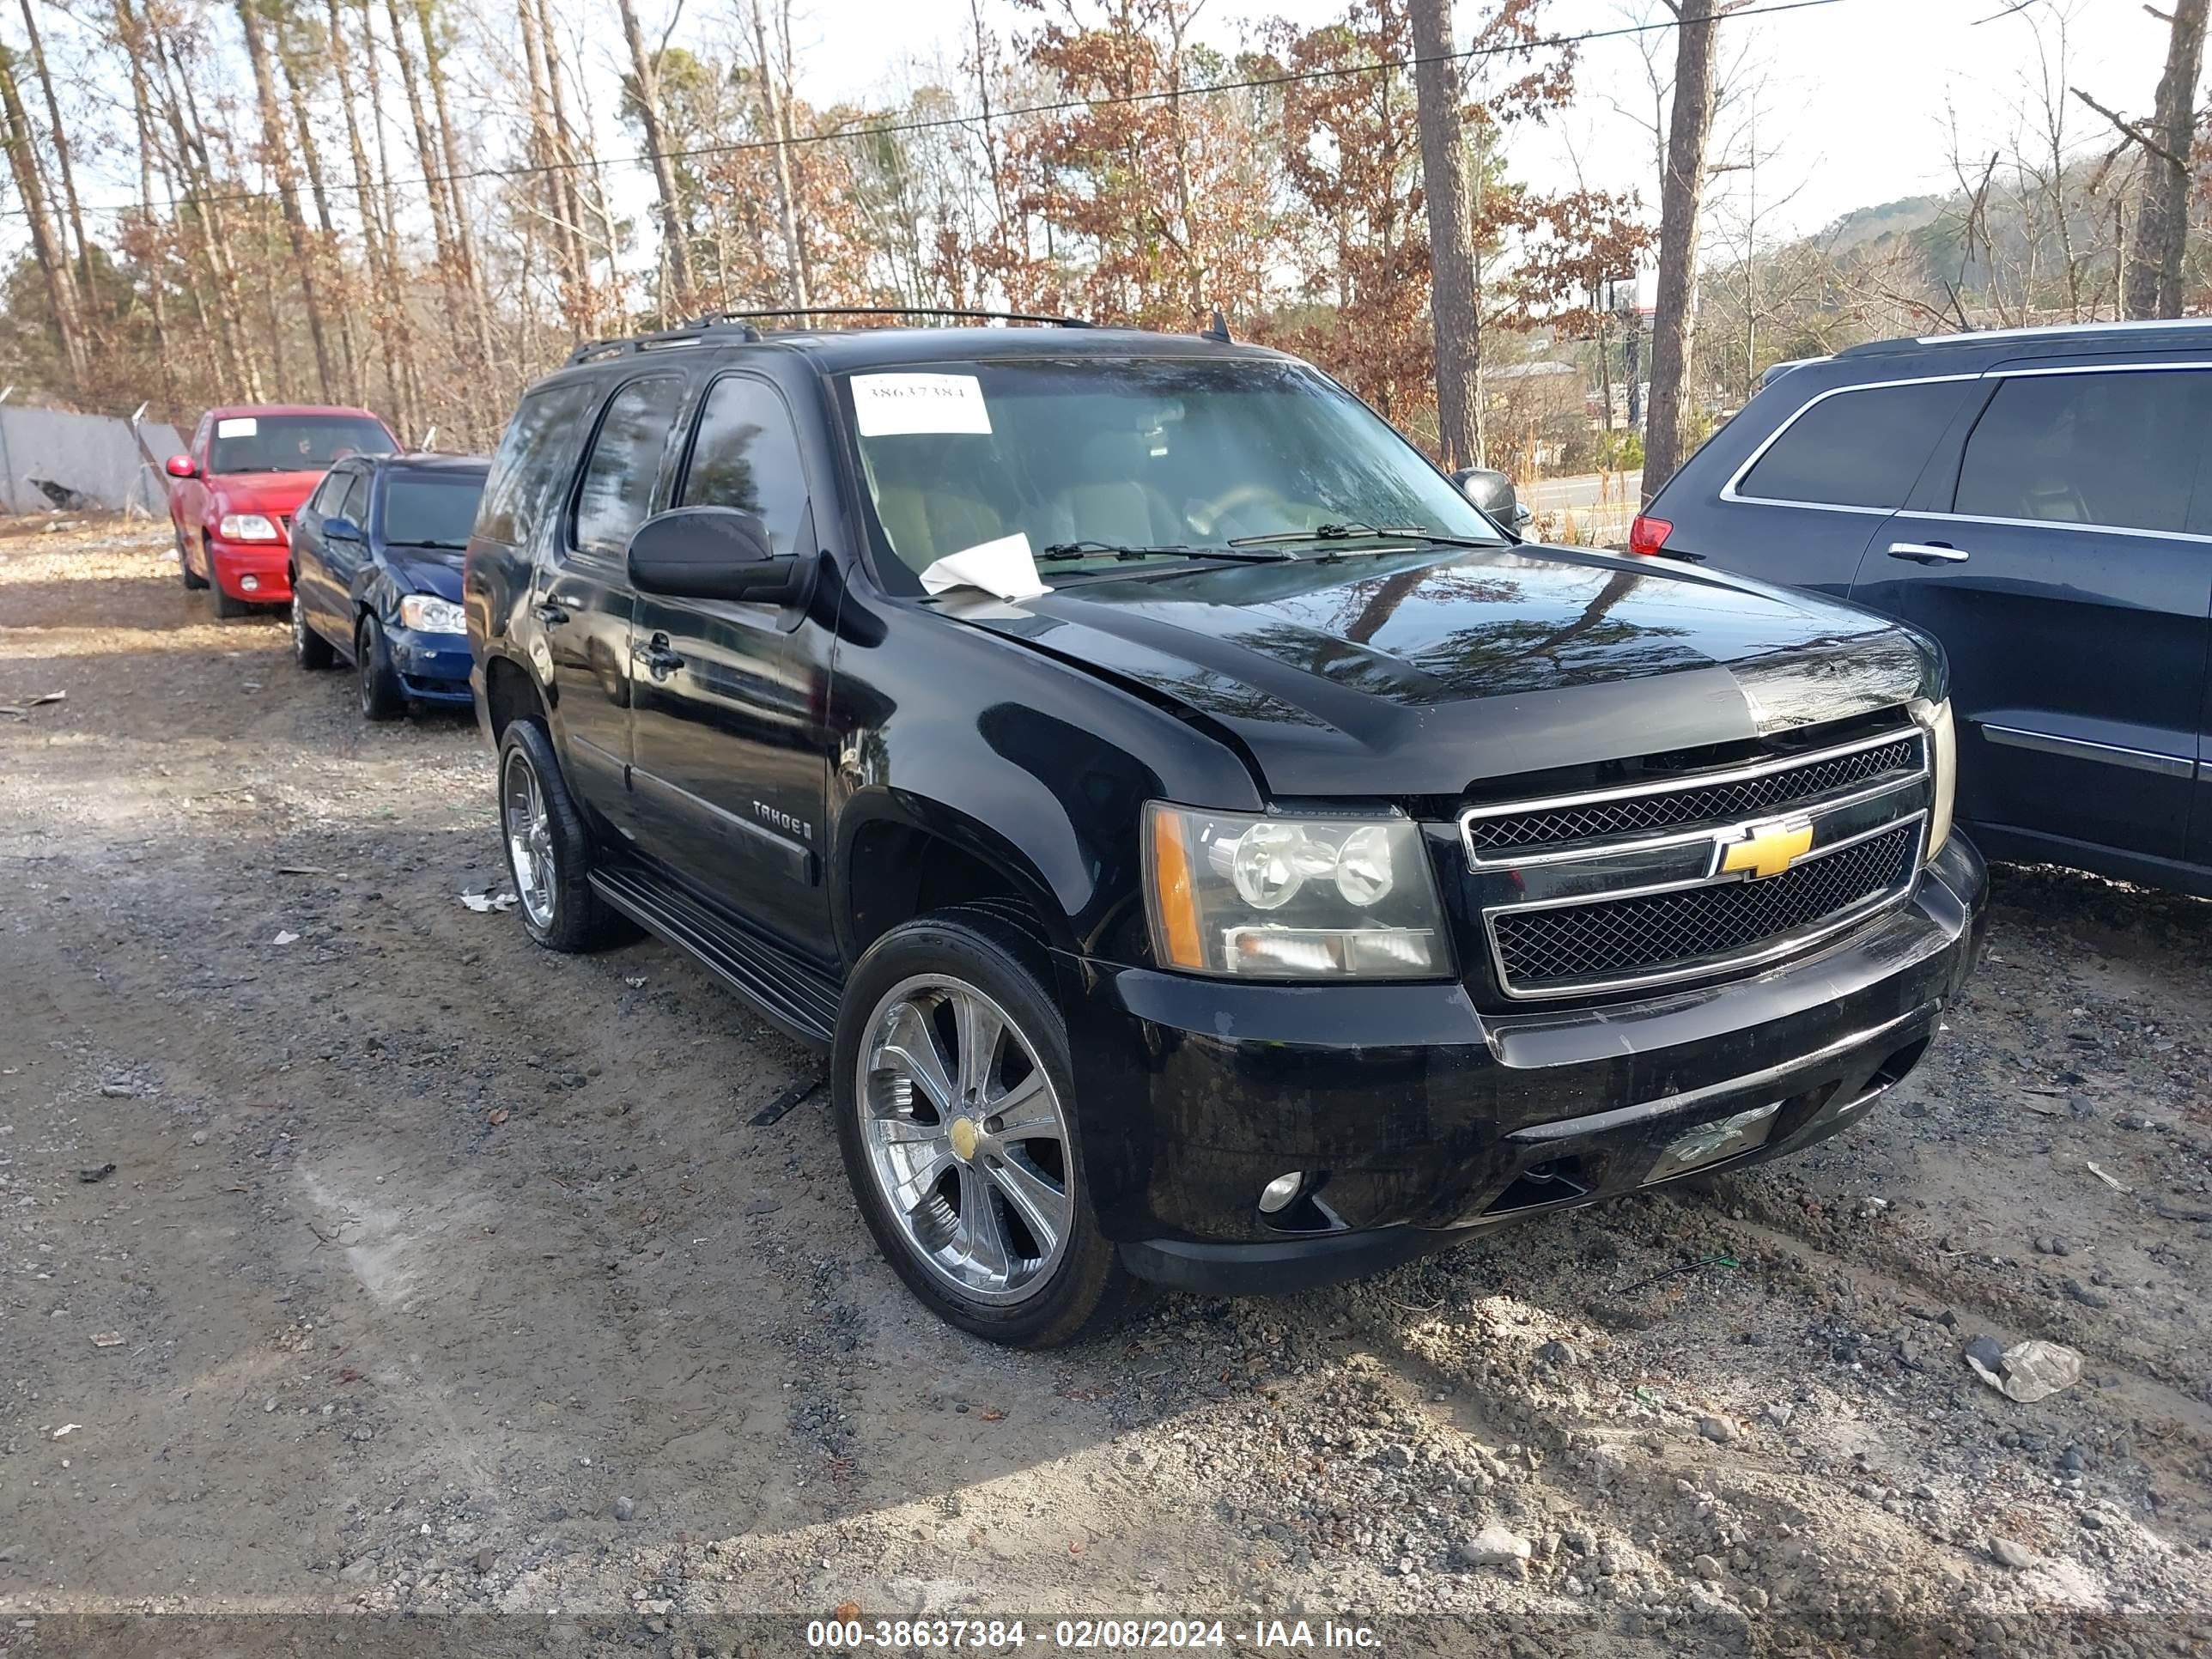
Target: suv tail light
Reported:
[(1648, 534)]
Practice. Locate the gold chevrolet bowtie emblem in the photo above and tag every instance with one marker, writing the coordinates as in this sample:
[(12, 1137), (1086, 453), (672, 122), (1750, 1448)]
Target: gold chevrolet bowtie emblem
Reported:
[(1768, 849)]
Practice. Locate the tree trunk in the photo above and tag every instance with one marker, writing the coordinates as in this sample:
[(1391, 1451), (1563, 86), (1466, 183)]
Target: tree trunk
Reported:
[(772, 108), (287, 192), (1681, 201), (1453, 314), (376, 250), (570, 156), (464, 236), (90, 295), (329, 251), (51, 254), (675, 247), (241, 366), (2162, 218), (426, 150), (545, 152)]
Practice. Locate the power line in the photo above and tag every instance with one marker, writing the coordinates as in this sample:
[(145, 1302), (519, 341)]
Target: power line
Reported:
[(887, 129)]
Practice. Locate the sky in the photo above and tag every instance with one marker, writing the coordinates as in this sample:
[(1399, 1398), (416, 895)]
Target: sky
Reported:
[(1855, 100)]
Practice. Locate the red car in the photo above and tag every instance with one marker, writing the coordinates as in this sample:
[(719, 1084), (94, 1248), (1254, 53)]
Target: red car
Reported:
[(231, 495)]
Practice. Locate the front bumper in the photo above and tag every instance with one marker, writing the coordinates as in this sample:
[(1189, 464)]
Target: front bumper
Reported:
[(1422, 1120), (269, 563), (432, 668)]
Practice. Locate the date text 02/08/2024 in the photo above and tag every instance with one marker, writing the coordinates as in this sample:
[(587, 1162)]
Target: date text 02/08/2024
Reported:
[(1081, 1634)]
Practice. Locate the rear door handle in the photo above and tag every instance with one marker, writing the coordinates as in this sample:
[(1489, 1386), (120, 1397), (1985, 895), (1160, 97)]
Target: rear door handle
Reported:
[(1927, 552), (551, 614)]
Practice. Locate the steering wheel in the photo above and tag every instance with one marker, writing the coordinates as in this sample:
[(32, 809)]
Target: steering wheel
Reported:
[(1206, 517)]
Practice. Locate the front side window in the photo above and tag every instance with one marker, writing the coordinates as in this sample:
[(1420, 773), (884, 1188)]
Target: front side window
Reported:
[(328, 493), (1863, 446), (430, 511), (294, 443), (617, 492), (355, 503), (1139, 452), (746, 456), (533, 460), (2117, 449)]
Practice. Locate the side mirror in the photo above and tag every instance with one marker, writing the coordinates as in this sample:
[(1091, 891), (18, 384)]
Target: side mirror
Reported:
[(710, 553), (341, 529), (180, 466), (1493, 492)]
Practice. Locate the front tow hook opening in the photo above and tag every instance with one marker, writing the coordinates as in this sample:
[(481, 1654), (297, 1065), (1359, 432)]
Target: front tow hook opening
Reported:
[(1555, 1181)]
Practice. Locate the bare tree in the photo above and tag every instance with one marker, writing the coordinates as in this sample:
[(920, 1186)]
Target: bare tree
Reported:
[(645, 67), (1454, 317), (775, 110), (1682, 202), (2154, 271)]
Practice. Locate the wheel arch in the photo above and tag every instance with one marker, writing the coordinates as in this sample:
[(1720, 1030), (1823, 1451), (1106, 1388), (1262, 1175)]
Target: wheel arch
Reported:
[(510, 692), (898, 856)]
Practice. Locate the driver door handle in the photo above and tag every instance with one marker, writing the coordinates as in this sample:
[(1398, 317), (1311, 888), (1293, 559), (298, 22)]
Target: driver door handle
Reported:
[(551, 614), (1927, 552), (659, 659)]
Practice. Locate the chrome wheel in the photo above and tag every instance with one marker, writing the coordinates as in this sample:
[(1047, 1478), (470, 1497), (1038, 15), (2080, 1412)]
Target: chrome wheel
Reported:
[(966, 1139), (529, 839)]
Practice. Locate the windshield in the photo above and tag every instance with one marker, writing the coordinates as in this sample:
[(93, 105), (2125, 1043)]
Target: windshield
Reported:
[(431, 512), (293, 443), (1099, 454)]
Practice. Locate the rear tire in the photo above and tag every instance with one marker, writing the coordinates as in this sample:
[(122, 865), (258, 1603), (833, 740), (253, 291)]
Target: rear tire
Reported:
[(985, 1213), (382, 696), (309, 649), (548, 846)]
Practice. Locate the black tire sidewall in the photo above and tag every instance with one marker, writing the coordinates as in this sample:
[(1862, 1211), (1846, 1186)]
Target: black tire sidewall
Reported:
[(380, 696), (579, 921), (1090, 1283), (309, 649)]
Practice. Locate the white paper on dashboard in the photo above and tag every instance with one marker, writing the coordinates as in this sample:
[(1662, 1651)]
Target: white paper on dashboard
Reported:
[(237, 426), (1003, 567), (888, 405)]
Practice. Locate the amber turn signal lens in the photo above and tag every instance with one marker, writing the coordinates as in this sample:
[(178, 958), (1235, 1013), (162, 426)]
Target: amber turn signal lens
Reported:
[(1174, 902)]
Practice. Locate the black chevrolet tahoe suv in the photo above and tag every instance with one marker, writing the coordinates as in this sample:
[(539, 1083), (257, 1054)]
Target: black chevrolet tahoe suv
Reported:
[(1213, 850)]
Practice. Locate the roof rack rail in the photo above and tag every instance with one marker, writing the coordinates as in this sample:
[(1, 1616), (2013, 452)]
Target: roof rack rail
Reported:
[(684, 334), (1051, 320), (2033, 331)]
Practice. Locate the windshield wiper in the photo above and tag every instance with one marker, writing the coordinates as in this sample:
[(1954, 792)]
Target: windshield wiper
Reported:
[(1236, 552), (1355, 530)]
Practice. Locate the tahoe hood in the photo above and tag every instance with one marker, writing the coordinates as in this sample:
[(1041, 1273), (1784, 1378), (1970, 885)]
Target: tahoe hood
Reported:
[(1420, 672)]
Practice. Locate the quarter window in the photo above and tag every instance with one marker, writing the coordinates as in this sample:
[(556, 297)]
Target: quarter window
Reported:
[(746, 456), (1860, 447), (2119, 449), (533, 457), (617, 492)]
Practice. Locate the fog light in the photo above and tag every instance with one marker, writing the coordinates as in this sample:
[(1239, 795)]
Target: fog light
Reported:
[(1282, 1192), (251, 584)]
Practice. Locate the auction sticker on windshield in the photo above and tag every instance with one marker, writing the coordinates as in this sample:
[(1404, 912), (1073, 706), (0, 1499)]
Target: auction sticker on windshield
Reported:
[(237, 426), (889, 405)]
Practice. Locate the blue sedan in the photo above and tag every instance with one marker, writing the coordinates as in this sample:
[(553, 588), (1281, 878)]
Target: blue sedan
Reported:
[(376, 577)]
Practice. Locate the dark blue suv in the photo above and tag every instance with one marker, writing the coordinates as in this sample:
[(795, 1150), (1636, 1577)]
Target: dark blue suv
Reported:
[(376, 577), (2040, 500)]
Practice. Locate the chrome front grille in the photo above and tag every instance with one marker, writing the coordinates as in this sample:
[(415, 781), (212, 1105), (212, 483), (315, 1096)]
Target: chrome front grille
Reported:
[(1699, 875), (1491, 829)]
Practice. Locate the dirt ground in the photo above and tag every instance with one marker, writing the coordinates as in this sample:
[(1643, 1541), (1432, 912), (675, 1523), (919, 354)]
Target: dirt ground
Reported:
[(431, 1272)]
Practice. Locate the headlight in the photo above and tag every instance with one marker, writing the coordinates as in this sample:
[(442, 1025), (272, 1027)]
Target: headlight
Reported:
[(426, 613), (247, 527), (1292, 899), (1935, 718)]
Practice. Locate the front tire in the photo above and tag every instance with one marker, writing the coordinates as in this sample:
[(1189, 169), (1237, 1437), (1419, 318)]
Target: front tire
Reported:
[(226, 609), (193, 584), (954, 1095), (549, 847), (382, 696), (309, 649)]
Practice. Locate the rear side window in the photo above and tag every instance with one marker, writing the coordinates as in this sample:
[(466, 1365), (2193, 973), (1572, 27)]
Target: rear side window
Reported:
[(1862, 447), (2117, 449), (617, 492), (747, 456), (533, 460)]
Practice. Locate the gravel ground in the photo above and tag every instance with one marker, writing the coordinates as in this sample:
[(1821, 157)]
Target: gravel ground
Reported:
[(434, 1273)]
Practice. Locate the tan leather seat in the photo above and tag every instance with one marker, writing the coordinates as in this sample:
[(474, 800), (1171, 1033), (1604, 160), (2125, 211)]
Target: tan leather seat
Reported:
[(926, 513), (1113, 503)]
